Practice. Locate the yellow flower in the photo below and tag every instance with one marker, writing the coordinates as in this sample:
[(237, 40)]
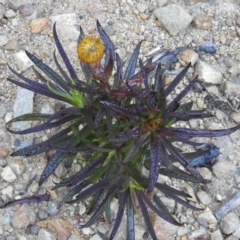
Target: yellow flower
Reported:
[(90, 49)]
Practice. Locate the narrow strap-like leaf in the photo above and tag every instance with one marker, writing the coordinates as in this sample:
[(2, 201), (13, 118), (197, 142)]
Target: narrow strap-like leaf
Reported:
[(119, 70), (100, 208), (121, 207), (149, 101), (130, 219), (177, 80), (65, 112), (127, 135), (137, 145), (155, 150), (30, 117), (67, 198), (178, 174), (179, 156), (45, 145), (95, 201), (87, 170), (132, 63), (158, 211), (37, 198), (43, 90), (146, 216), (131, 113), (95, 188), (170, 190), (186, 132), (60, 69), (43, 126), (110, 49), (175, 102), (52, 164), (64, 55), (48, 71)]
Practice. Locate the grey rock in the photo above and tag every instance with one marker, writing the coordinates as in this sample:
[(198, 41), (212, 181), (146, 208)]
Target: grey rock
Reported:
[(231, 88), (95, 237), (237, 20), (208, 216), (237, 233), (224, 169), (230, 223), (103, 227), (60, 170), (229, 22), (3, 40), (46, 108), (22, 60), (23, 217), (52, 208), (42, 214), (236, 116), (82, 208), (34, 229), (8, 175), (216, 235), (204, 197), (17, 166), (228, 206), (1, 14), (12, 45), (109, 30), (234, 71), (26, 143), (15, 4), (3, 2), (45, 234), (3, 162), (162, 3), (174, 18), (229, 62), (197, 233), (187, 39), (87, 231), (26, 9), (141, 7), (10, 13), (8, 191), (66, 25), (207, 73), (22, 105)]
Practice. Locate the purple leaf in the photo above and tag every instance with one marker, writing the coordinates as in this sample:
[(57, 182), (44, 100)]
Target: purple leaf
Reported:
[(110, 49), (122, 202), (129, 73), (64, 56), (38, 198), (156, 157)]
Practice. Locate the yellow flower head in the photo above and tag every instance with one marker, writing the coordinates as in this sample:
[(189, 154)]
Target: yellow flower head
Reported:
[(90, 49)]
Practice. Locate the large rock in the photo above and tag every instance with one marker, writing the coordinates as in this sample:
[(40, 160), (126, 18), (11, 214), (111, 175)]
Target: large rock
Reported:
[(23, 217), (23, 105), (230, 223), (15, 4), (231, 88), (174, 18), (207, 73)]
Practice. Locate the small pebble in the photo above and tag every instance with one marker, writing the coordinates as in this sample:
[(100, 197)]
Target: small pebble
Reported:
[(40, 24), (8, 175), (26, 9)]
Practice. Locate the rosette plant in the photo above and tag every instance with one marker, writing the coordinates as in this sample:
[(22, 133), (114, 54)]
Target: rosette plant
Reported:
[(122, 123)]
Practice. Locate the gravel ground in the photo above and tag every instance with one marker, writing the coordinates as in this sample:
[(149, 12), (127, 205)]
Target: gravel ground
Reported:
[(27, 25)]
